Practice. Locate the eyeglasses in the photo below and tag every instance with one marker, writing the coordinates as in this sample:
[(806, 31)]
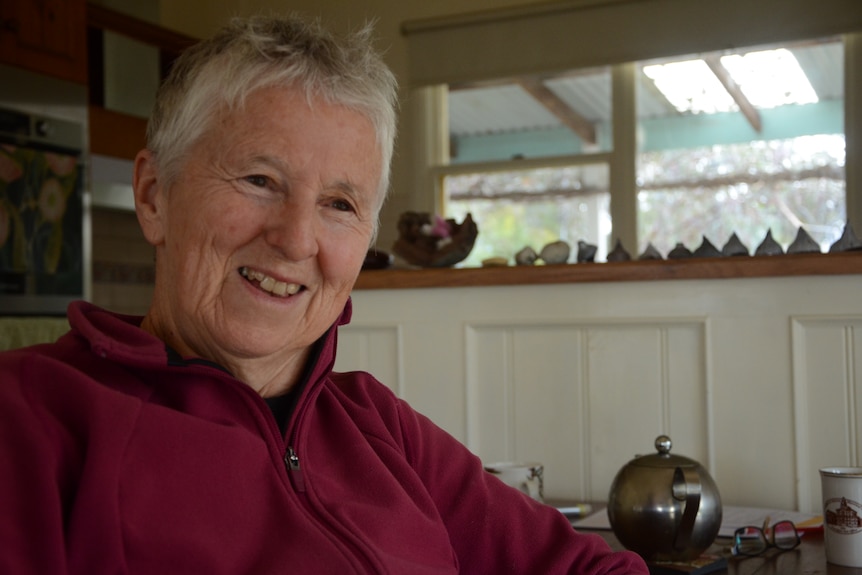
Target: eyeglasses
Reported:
[(751, 540)]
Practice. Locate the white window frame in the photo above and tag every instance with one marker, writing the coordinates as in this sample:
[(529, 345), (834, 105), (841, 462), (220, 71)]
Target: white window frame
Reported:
[(430, 119)]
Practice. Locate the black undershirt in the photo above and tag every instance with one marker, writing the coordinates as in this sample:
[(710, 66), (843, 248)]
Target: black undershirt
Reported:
[(282, 406)]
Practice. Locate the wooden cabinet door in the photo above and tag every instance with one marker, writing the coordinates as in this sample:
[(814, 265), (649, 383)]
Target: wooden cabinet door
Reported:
[(45, 36)]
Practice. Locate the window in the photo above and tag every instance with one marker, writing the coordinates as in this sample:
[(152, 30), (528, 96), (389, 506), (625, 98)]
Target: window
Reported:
[(744, 141), (532, 208), (754, 142), (535, 176), (568, 114)]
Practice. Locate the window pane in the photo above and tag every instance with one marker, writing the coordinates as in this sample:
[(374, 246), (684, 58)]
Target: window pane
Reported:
[(531, 117), (763, 151), (531, 208)]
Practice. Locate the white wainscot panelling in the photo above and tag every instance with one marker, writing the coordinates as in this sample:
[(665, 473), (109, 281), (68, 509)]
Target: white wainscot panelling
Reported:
[(375, 349), (827, 383), (584, 398), (758, 379)]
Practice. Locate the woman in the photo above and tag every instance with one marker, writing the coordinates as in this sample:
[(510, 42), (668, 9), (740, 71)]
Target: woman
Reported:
[(211, 435)]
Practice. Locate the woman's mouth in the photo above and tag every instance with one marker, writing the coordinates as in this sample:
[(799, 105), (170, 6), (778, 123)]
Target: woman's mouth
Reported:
[(268, 284)]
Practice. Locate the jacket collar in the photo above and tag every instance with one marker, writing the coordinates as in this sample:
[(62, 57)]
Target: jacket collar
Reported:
[(119, 338)]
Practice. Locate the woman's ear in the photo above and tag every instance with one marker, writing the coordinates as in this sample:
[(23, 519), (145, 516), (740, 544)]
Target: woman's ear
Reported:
[(149, 198)]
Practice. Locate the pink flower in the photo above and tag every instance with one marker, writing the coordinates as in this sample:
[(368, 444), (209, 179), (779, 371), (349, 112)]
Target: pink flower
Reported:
[(52, 201), (441, 228), (10, 170)]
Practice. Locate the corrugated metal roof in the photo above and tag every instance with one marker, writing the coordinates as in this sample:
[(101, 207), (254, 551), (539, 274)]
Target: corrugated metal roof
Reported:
[(506, 108), (509, 108), (824, 66), (588, 94)]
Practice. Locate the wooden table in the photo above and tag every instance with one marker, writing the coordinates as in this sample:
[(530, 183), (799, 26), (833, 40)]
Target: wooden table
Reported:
[(809, 558)]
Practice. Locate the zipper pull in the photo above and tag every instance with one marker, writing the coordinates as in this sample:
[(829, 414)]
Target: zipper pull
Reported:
[(294, 471)]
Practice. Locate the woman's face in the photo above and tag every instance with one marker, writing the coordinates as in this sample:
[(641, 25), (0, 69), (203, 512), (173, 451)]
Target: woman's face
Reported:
[(262, 235)]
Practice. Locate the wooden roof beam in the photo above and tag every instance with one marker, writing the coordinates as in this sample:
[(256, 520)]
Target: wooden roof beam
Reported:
[(559, 108), (748, 110)]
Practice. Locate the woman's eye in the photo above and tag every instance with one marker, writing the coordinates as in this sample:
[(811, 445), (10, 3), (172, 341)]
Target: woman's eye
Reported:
[(257, 180), (342, 206)]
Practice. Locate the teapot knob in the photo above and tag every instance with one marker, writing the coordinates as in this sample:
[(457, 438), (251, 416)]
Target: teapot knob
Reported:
[(663, 444)]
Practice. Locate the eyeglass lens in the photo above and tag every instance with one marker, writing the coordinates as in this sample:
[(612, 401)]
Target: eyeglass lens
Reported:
[(753, 541), (784, 535)]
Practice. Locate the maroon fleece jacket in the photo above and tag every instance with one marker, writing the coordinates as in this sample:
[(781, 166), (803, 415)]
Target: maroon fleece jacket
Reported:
[(117, 456)]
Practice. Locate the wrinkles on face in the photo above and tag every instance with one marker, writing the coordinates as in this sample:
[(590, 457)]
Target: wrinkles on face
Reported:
[(266, 231)]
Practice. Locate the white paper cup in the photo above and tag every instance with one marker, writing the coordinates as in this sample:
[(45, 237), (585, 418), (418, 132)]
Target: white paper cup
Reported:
[(842, 514), (527, 477)]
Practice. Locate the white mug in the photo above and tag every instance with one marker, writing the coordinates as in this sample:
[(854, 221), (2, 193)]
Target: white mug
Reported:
[(842, 514), (526, 477)]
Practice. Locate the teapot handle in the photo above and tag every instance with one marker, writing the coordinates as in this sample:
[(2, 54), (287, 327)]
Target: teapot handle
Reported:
[(686, 488)]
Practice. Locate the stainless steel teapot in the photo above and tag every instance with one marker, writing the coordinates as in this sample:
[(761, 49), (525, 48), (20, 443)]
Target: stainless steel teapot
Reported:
[(664, 507)]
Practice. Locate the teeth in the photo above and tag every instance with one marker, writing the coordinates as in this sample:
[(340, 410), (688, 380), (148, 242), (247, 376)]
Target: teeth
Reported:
[(269, 284)]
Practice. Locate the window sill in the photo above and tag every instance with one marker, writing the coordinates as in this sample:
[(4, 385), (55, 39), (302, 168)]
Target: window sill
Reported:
[(649, 270)]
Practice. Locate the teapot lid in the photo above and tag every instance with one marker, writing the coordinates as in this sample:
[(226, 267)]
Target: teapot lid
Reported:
[(663, 458)]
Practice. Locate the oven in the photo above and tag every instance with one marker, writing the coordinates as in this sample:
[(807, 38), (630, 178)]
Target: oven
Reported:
[(42, 213)]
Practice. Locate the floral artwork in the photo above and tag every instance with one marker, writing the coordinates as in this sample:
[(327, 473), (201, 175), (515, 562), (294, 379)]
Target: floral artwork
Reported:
[(40, 222)]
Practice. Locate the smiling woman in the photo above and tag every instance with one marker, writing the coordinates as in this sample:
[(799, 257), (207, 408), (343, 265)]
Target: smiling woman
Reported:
[(292, 223), (212, 435)]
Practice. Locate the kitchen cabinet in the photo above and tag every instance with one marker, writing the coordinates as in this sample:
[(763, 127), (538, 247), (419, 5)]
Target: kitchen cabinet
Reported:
[(115, 133), (45, 36)]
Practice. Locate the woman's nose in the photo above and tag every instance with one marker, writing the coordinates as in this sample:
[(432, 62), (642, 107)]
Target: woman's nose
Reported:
[(292, 230)]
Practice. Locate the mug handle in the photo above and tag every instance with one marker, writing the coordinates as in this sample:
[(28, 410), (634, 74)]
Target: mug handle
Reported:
[(532, 488), (533, 484), (686, 488)]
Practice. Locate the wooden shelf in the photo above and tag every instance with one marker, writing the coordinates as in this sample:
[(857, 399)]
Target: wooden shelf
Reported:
[(648, 270)]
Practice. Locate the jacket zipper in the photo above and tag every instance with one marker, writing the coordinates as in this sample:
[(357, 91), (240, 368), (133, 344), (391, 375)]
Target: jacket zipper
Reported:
[(297, 479), (294, 471)]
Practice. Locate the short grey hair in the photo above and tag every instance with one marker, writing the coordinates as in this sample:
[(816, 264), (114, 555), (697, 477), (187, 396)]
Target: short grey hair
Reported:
[(265, 51)]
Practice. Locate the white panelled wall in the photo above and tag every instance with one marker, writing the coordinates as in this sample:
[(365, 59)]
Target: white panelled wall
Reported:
[(758, 379)]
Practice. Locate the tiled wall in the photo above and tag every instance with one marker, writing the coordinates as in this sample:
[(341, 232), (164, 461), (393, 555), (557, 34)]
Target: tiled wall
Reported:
[(123, 262)]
